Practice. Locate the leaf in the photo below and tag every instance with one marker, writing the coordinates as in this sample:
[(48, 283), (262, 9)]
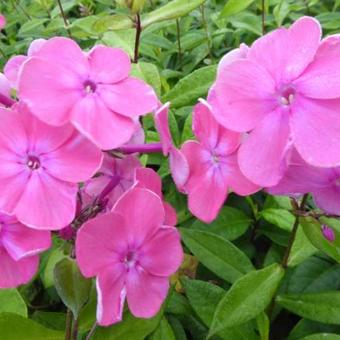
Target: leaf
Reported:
[(279, 217), (14, 326), (149, 73), (235, 6), (163, 331), (32, 26), (130, 328), (190, 88), (323, 307), (217, 254), (312, 230), (124, 39), (247, 298), (112, 22), (322, 336), (263, 325), (51, 320), (172, 10), (230, 223), (71, 286), (12, 302)]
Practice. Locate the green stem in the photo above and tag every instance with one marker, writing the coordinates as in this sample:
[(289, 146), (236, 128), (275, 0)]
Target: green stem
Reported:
[(205, 26), (68, 328), (75, 329), (179, 42), (263, 12), (66, 23), (91, 332), (137, 39)]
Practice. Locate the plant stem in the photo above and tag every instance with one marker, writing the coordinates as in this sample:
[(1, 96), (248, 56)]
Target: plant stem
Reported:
[(75, 329), (263, 18), (205, 26), (91, 332), (68, 328), (8, 102), (64, 18), (179, 42), (137, 40), (141, 148), (285, 258)]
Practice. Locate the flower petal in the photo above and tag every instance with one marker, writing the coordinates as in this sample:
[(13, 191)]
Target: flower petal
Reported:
[(108, 65), (12, 68), (161, 118), (46, 203), (145, 292), (261, 157), (315, 128), (149, 179), (328, 199), (100, 243)]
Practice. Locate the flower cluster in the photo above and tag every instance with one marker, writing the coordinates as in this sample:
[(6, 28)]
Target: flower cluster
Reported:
[(69, 147)]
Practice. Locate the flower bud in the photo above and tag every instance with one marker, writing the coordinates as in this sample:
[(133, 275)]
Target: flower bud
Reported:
[(328, 233), (135, 5)]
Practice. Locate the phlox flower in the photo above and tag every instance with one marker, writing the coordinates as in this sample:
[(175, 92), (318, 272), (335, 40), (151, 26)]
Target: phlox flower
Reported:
[(285, 91), (40, 167), (93, 91), (19, 249), (5, 90), (132, 253), (13, 66), (2, 21), (213, 166), (303, 178)]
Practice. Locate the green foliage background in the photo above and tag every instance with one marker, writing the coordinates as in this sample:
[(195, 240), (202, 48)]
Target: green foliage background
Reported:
[(232, 284)]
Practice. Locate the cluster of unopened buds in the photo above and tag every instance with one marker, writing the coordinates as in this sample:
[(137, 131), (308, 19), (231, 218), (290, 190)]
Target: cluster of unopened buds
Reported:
[(69, 146)]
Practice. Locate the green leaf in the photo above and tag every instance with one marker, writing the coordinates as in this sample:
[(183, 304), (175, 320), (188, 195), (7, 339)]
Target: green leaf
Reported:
[(230, 223), (130, 328), (112, 22), (149, 73), (190, 88), (235, 6), (172, 10), (51, 320), (71, 286), (217, 254), (323, 307), (322, 336), (34, 26), (13, 326), (312, 230), (263, 325), (163, 331), (247, 298), (12, 302), (279, 217), (124, 39)]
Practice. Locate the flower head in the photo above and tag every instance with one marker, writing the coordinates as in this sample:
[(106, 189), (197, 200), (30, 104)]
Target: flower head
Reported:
[(93, 91), (328, 233), (19, 249), (213, 165), (132, 254), (285, 91), (40, 168), (2, 21)]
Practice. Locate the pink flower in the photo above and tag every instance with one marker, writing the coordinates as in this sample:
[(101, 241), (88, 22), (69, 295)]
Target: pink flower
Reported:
[(92, 90), (19, 249), (178, 164), (122, 171), (302, 178), (328, 233), (2, 21), (40, 168), (213, 165), (5, 90), (14, 64), (285, 90), (132, 253)]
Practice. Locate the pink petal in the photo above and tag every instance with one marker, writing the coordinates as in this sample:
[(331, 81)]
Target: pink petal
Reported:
[(130, 97), (100, 243), (14, 273), (12, 68), (145, 292), (49, 90), (109, 65), (161, 118), (179, 168), (262, 155), (5, 88), (328, 199), (315, 128), (162, 254), (2, 21), (46, 203), (35, 46), (244, 94), (237, 181), (21, 241), (206, 188), (143, 212), (149, 179), (110, 295), (170, 214), (103, 127), (66, 53), (301, 178), (75, 161), (321, 79), (290, 50)]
